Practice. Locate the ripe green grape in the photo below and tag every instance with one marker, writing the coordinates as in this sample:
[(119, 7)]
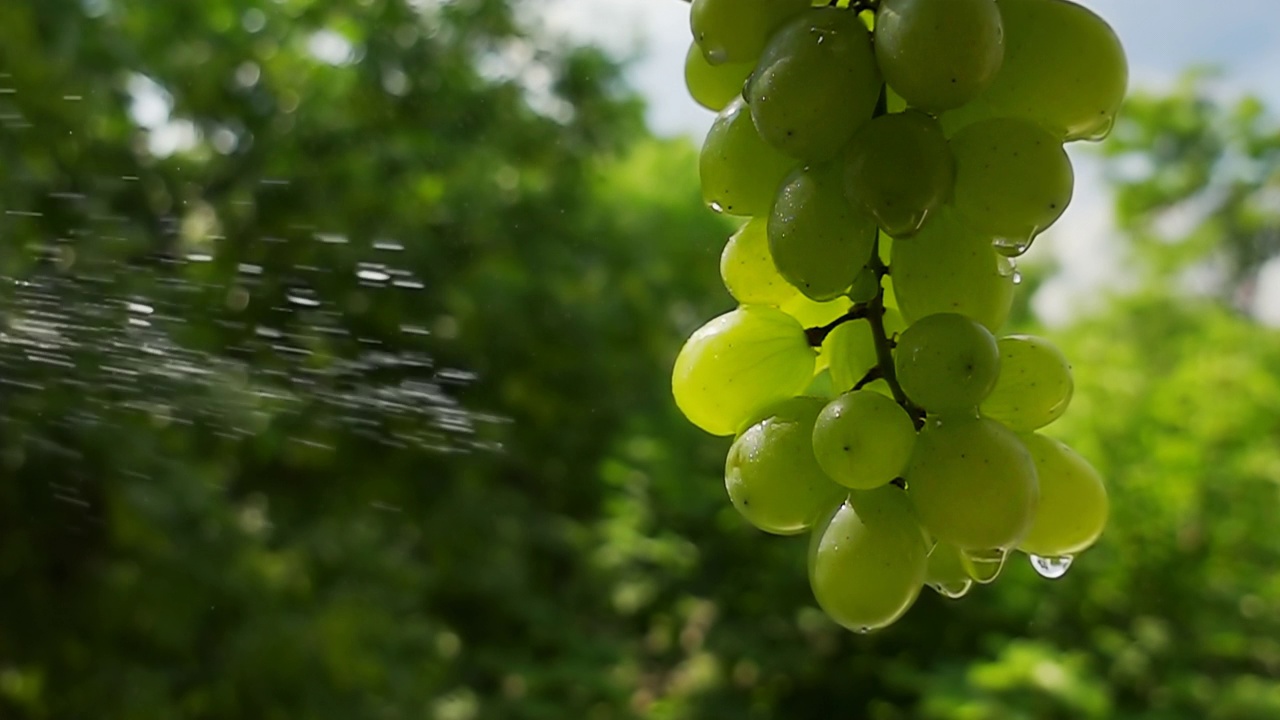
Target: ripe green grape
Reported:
[(738, 363), (863, 439), (818, 241), (946, 573), (1063, 68), (771, 474), (811, 313), (740, 172), (948, 267), (939, 55), (816, 82), (1035, 384), (869, 563), (713, 86), (1013, 179), (735, 31), (900, 170), (973, 483), (851, 349), (947, 362), (747, 267), (1073, 501)]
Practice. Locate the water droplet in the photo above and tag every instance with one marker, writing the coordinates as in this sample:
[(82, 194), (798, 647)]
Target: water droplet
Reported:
[(953, 590), (1006, 266), (1014, 247), (715, 56), (1100, 131), (1051, 567), (717, 207), (984, 566), (862, 630), (1017, 278)]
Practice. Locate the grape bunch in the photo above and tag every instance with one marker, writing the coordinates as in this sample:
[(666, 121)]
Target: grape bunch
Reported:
[(891, 159)]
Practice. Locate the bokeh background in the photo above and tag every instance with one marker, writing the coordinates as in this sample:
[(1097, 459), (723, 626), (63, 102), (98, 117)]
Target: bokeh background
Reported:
[(334, 352)]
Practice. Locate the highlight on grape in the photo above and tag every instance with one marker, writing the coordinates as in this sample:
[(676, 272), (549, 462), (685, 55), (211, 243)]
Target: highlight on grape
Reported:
[(890, 159)]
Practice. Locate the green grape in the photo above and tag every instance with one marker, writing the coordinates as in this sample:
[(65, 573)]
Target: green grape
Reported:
[(821, 386), (863, 439), (865, 286), (1064, 68), (818, 241), (740, 172), (811, 313), (973, 483), (737, 364), (1034, 387), (945, 572), (947, 362), (900, 170), (713, 86), (851, 350), (1073, 501), (735, 31), (1013, 180), (939, 55), (747, 267), (771, 474), (815, 84), (869, 564), (948, 267)]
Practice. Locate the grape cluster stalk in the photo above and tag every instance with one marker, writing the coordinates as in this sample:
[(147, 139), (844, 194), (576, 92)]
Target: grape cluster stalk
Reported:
[(891, 159)]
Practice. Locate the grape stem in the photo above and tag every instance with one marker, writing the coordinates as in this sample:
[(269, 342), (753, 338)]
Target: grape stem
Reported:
[(884, 345), (818, 335), (872, 375)]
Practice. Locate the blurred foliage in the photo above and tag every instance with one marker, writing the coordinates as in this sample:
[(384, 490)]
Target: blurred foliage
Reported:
[(245, 246)]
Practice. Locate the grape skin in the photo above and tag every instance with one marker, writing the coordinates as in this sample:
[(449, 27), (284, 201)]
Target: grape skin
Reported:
[(713, 86), (735, 31), (739, 362), (817, 240), (900, 170), (740, 172), (939, 55), (863, 439), (1073, 507), (869, 562), (1035, 384), (747, 268), (947, 362), (771, 474), (816, 83), (948, 267), (973, 483)]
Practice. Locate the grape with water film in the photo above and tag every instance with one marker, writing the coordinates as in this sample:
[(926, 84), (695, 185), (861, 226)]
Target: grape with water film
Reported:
[(949, 267), (713, 86), (946, 572), (747, 268), (818, 241), (973, 483), (937, 54), (1063, 68), (771, 474), (869, 563), (1035, 384), (899, 170), (738, 363), (735, 31), (740, 172), (815, 84), (1013, 179), (1073, 507), (947, 362), (863, 439)]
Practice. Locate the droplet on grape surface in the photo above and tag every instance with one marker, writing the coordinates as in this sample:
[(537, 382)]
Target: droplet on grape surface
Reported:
[(1017, 278), (1014, 247), (1006, 266), (1102, 131), (717, 207), (953, 590), (1051, 567), (984, 566)]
